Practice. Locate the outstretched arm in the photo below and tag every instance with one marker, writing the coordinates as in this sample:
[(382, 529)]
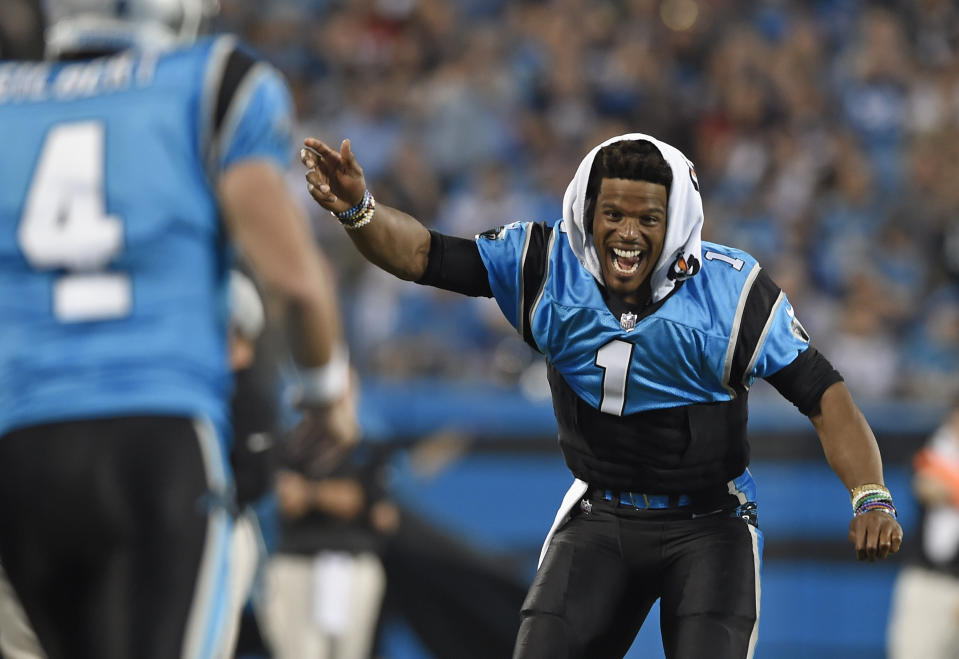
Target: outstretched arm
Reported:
[(852, 452), (394, 241)]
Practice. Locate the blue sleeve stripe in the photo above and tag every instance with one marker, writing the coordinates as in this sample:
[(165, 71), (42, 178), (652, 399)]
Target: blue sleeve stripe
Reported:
[(762, 338), (737, 323)]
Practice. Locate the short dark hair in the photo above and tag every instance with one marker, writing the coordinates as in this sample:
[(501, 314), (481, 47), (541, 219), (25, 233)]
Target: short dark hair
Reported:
[(637, 160)]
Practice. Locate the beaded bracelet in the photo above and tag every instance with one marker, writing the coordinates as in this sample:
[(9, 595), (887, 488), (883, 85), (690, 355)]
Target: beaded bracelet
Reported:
[(360, 215), (872, 496), (365, 218)]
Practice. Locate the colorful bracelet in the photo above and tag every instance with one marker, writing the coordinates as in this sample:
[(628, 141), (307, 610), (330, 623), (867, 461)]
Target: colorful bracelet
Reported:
[(360, 215), (872, 496)]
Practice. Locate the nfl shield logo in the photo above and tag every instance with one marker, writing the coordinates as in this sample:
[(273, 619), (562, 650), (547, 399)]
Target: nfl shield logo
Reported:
[(628, 321)]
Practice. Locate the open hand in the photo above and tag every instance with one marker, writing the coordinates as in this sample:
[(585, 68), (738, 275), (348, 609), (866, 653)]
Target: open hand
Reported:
[(334, 178), (875, 534)]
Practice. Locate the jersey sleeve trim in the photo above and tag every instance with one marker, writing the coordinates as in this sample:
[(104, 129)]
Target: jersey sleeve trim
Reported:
[(753, 325), (535, 274), (735, 331), (762, 339), (220, 53), (238, 64), (231, 80), (521, 324), (234, 114)]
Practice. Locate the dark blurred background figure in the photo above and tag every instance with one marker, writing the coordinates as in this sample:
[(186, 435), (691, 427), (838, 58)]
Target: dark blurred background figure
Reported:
[(435, 574), (324, 583), (925, 608), (254, 453), (21, 34)]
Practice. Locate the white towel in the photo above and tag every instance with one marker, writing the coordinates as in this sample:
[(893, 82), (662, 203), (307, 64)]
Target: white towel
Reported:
[(573, 496), (682, 251)]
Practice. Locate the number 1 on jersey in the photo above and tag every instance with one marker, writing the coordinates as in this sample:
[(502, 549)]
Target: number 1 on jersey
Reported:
[(65, 225), (716, 256), (614, 358)]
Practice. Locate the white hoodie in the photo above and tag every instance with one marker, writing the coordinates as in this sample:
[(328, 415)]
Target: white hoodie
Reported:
[(682, 252)]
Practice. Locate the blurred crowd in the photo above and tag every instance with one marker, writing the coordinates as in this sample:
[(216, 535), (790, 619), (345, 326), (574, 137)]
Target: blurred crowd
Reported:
[(825, 135)]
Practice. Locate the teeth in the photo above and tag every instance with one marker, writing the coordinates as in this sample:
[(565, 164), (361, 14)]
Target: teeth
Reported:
[(626, 254)]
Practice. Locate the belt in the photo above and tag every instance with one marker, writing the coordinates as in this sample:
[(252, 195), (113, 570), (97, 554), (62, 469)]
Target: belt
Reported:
[(642, 501)]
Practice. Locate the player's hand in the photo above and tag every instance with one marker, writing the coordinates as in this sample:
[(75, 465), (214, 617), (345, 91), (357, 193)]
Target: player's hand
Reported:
[(875, 534), (334, 178), (340, 497), (325, 432), (293, 494), (337, 420)]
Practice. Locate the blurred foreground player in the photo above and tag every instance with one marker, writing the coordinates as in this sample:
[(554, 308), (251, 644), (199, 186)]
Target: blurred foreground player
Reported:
[(652, 340), (128, 168), (924, 616)]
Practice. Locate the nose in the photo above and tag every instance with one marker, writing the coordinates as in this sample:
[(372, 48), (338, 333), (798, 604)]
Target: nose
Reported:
[(629, 228)]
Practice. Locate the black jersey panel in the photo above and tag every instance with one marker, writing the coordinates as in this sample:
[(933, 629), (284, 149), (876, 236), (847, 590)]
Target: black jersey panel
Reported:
[(680, 449)]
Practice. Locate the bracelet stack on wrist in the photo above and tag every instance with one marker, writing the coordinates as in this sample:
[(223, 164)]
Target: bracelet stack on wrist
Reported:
[(360, 215), (872, 496)]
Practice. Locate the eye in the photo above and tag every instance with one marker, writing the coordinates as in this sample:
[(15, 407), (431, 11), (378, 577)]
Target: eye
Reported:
[(613, 215), (651, 220)]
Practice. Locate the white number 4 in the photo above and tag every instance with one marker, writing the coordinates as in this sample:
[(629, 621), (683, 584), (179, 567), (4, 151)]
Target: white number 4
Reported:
[(65, 226)]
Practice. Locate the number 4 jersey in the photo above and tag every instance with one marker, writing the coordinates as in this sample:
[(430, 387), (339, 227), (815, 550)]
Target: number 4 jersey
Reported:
[(654, 403), (113, 259)]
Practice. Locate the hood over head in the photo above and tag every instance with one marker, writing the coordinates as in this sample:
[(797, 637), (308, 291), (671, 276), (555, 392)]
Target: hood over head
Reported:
[(682, 251)]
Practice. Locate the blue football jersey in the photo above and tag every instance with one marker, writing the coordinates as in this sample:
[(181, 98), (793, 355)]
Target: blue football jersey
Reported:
[(709, 340), (113, 259)]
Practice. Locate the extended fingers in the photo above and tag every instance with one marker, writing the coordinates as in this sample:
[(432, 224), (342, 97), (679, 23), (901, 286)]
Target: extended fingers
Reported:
[(319, 188), (309, 158), (350, 162), (321, 148)]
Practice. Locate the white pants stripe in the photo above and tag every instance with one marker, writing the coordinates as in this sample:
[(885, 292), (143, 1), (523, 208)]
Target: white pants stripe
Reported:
[(17, 638)]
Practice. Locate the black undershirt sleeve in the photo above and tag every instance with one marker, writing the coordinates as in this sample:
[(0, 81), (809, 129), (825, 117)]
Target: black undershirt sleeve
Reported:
[(804, 381), (455, 264)]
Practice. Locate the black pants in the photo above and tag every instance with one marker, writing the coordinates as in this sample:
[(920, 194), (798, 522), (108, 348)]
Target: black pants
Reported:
[(103, 532), (604, 570)]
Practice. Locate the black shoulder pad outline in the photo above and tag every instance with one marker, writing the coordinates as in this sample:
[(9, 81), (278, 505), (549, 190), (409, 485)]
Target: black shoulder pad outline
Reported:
[(535, 271), (238, 64), (761, 303)]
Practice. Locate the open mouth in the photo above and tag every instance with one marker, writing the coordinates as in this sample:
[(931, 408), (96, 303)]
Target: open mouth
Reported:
[(626, 261)]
